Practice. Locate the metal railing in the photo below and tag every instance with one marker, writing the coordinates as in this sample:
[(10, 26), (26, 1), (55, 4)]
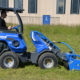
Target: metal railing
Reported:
[(32, 20)]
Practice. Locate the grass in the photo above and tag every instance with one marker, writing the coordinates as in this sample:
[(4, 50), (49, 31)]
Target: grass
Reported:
[(70, 35)]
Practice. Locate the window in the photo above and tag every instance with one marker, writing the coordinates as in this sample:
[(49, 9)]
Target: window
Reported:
[(4, 3), (61, 6), (32, 6), (75, 6), (18, 4)]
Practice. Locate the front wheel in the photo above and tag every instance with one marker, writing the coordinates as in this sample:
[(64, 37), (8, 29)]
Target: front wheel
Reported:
[(9, 60), (47, 60)]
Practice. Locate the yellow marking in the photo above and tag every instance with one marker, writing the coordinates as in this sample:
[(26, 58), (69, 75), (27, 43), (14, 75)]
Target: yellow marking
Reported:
[(78, 65)]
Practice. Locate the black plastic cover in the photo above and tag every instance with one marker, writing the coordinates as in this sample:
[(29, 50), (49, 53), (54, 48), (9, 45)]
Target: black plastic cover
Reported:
[(12, 9)]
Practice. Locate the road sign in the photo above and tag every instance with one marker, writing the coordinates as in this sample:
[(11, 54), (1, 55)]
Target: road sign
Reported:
[(46, 19)]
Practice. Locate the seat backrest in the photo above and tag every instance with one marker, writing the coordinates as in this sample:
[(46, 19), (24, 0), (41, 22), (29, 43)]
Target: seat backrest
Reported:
[(37, 41)]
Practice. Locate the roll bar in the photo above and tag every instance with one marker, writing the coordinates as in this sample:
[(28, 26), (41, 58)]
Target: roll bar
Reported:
[(16, 11)]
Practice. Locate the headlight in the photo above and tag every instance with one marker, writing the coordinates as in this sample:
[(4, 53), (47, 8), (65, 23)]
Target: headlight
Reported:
[(16, 43)]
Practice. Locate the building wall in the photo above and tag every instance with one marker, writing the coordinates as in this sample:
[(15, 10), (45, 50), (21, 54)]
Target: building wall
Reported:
[(46, 7)]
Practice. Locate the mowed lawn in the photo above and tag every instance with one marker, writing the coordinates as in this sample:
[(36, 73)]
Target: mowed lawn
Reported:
[(68, 34)]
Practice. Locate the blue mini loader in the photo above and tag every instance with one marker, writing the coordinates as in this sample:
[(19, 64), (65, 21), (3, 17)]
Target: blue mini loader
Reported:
[(13, 49)]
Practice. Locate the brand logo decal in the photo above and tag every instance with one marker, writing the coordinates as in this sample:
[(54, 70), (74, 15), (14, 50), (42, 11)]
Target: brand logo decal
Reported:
[(3, 37)]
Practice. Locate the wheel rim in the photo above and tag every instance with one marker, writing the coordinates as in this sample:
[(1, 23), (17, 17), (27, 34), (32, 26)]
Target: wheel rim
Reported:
[(48, 62), (8, 62)]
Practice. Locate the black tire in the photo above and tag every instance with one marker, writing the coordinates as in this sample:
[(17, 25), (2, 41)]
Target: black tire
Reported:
[(9, 60), (42, 62)]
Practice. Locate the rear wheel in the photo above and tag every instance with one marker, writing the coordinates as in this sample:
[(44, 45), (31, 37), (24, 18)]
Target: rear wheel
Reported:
[(9, 60), (47, 60)]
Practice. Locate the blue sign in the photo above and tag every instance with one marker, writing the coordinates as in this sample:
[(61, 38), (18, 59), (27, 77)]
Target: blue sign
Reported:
[(46, 19)]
